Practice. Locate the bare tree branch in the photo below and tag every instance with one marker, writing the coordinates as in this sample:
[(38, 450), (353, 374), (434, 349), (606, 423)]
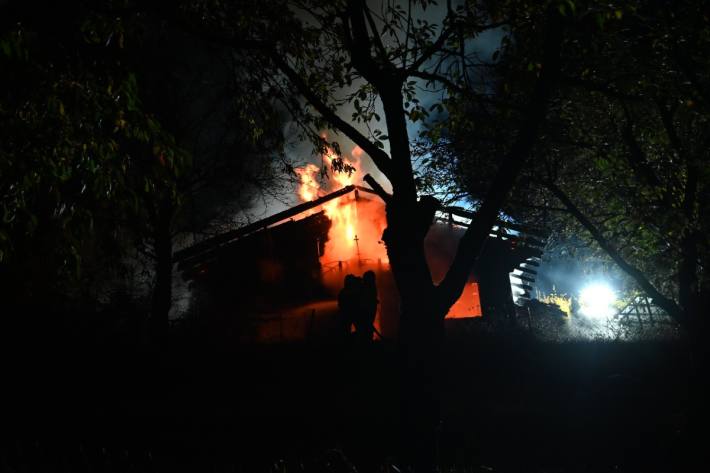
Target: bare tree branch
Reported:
[(432, 49), (379, 157), (431, 77), (376, 36), (635, 155), (377, 188)]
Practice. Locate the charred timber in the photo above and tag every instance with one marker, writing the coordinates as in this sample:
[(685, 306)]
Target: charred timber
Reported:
[(216, 242), (522, 286), (513, 226)]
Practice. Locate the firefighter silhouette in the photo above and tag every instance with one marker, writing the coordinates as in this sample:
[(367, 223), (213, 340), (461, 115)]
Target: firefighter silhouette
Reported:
[(364, 324), (357, 302), (349, 304)]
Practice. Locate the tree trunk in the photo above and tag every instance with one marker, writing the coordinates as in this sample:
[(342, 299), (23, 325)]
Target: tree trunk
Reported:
[(420, 342), (162, 289), (698, 413), (419, 351), (420, 335), (424, 305)]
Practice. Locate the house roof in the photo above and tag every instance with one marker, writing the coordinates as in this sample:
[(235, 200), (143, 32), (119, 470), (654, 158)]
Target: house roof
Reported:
[(529, 237), (185, 256)]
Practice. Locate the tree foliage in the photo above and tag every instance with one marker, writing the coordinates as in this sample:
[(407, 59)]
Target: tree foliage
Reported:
[(623, 159), (71, 120)]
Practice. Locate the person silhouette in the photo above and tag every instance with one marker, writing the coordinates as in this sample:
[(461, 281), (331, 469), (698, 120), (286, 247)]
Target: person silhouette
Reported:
[(349, 305), (364, 324)]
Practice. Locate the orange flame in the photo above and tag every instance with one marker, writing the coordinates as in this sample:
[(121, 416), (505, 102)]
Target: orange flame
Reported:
[(468, 305), (309, 187), (356, 226)]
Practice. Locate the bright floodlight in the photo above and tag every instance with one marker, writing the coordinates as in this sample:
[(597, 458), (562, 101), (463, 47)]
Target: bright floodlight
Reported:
[(596, 300)]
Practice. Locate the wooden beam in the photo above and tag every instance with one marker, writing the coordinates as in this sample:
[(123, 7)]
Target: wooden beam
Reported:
[(459, 212), (215, 242), (521, 286)]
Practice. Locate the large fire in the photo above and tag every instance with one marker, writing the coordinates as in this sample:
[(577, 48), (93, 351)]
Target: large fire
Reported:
[(357, 223)]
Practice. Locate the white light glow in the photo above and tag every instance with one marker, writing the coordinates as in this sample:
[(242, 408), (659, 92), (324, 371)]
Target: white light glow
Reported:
[(596, 300)]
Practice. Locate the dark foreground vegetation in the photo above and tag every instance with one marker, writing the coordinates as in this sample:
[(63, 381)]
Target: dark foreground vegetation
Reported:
[(509, 403)]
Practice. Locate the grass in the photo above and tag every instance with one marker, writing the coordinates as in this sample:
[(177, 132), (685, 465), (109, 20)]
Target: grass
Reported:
[(510, 402)]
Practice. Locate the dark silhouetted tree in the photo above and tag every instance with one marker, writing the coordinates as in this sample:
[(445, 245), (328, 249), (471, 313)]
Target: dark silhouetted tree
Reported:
[(332, 53)]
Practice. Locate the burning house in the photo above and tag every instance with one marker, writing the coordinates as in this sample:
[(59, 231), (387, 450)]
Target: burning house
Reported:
[(279, 278)]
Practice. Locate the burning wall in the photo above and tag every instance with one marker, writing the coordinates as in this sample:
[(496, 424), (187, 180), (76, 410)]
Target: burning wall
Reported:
[(354, 245), (357, 224), (279, 278)]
